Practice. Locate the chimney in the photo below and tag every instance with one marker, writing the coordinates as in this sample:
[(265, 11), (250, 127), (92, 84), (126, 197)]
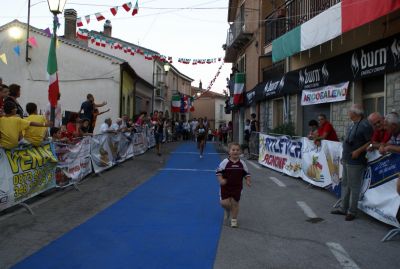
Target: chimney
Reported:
[(107, 28), (70, 24)]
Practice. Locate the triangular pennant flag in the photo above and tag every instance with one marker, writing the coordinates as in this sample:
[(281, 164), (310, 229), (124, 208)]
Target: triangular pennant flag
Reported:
[(79, 22), (32, 41), (99, 16), (3, 58), (47, 32), (135, 9), (87, 18), (127, 6), (82, 35), (17, 50), (114, 10)]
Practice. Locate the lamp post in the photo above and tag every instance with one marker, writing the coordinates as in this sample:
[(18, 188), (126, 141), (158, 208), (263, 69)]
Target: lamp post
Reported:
[(56, 7)]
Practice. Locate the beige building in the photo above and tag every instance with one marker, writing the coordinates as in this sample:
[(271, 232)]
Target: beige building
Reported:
[(363, 60), (211, 105)]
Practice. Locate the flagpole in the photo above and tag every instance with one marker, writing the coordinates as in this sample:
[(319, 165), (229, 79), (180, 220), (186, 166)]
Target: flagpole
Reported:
[(53, 108), (27, 59)]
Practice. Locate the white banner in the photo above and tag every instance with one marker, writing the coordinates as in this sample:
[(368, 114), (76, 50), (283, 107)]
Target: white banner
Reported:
[(74, 162), (326, 94)]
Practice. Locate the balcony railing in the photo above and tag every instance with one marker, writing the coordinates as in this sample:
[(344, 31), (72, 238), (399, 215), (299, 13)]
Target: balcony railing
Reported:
[(238, 28), (292, 14)]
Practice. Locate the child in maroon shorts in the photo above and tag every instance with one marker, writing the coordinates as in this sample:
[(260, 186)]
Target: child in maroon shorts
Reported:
[(230, 174)]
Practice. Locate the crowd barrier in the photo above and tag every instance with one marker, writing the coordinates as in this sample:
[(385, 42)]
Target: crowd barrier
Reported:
[(320, 165), (28, 171)]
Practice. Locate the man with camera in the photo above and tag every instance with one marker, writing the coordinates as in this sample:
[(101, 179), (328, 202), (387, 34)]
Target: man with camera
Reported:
[(357, 139)]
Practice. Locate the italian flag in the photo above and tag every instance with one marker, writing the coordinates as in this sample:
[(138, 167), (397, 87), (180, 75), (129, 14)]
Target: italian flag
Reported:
[(54, 90), (135, 9), (176, 103), (333, 22), (238, 88)]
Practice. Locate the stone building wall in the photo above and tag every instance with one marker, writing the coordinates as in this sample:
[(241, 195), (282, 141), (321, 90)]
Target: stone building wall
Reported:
[(393, 92)]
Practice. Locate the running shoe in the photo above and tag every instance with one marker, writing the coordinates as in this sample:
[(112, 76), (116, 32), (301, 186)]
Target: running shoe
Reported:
[(234, 223)]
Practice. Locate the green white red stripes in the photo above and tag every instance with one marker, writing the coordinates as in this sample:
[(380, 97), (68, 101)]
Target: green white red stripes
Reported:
[(238, 88), (53, 75), (176, 103)]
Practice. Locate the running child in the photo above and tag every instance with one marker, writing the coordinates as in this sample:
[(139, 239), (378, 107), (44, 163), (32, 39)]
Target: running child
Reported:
[(230, 174)]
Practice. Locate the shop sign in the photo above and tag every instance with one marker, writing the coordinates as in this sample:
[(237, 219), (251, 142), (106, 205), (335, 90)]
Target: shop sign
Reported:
[(326, 94)]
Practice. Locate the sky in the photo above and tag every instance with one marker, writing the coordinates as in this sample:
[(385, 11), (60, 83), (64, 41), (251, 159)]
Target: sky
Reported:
[(194, 29)]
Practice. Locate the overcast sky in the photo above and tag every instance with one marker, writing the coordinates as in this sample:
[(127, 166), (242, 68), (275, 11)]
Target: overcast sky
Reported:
[(194, 29)]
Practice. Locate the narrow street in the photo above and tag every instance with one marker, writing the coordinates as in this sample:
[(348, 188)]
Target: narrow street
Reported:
[(163, 212)]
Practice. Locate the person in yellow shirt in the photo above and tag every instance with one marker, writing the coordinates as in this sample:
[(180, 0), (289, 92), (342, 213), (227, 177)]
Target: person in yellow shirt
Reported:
[(11, 126), (35, 135)]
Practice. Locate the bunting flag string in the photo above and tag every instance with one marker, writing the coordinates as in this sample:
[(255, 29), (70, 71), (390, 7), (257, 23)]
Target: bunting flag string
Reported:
[(102, 41), (212, 81), (114, 10)]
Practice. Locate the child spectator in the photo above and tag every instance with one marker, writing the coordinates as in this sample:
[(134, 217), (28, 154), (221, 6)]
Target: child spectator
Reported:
[(73, 125), (11, 127), (230, 174), (35, 135)]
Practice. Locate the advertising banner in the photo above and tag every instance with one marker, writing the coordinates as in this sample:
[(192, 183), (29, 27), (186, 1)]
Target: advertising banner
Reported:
[(281, 154), (124, 149), (150, 137), (103, 151), (321, 164), (74, 162), (326, 94), (25, 172), (378, 196), (139, 145)]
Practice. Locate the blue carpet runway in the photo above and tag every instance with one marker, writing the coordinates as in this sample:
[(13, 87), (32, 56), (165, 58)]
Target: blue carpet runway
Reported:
[(171, 221)]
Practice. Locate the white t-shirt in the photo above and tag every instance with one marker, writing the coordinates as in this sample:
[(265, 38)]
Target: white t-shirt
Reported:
[(104, 128)]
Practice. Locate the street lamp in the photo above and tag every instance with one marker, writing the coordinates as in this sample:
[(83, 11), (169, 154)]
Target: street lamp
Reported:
[(56, 7), (15, 33)]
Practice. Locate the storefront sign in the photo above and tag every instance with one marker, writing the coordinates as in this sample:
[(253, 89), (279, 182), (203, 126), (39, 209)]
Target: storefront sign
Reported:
[(326, 94)]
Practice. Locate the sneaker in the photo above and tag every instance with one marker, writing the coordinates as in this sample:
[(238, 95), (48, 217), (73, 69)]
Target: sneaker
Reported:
[(234, 223)]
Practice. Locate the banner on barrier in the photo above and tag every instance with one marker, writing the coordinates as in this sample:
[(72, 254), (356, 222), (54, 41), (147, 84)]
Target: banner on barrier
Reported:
[(321, 165), (103, 152), (378, 195), (139, 145), (74, 162), (281, 154), (25, 172), (125, 148)]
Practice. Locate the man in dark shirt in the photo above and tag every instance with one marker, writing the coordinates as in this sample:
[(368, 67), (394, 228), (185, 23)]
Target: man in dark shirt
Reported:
[(357, 139), (88, 108)]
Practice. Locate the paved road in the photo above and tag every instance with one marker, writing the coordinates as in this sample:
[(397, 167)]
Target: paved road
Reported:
[(275, 230)]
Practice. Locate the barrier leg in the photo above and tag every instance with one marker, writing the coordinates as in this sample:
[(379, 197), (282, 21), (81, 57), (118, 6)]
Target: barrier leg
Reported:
[(27, 207), (337, 204), (392, 233)]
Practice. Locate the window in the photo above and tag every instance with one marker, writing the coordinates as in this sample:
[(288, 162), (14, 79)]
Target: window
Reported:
[(242, 64), (373, 95), (221, 111)]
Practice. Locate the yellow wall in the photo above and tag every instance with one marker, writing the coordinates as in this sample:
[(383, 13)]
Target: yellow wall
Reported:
[(128, 94)]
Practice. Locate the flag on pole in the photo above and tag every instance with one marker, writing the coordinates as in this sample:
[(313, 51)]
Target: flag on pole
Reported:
[(99, 17), (87, 18), (54, 90), (114, 10), (79, 22), (135, 9), (176, 103), (238, 88), (127, 6)]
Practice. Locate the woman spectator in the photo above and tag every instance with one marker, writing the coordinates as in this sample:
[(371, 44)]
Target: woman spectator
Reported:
[(14, 94)]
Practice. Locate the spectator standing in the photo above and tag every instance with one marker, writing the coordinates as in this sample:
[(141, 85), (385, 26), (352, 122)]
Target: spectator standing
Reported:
[(253, 123), (88, 108), (325, 129), (380, 136), (159, 134), (247, 130), (11, 126), (13, 95), (357, 138), (35, 135)]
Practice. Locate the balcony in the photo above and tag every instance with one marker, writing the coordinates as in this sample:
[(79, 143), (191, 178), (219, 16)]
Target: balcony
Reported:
[(239, 35), (292, 14), (159, 94)]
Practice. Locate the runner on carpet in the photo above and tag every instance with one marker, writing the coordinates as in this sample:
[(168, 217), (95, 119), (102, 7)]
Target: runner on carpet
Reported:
[(201, 133), (230, 174)]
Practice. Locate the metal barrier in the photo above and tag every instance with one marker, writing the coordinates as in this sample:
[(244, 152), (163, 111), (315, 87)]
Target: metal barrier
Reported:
[(254, 147)]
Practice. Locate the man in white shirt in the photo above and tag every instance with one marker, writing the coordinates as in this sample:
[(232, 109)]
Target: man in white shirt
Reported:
[(106, 127)]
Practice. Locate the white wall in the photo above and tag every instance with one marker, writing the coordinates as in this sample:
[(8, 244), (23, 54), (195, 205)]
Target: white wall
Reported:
[(80, 73)]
